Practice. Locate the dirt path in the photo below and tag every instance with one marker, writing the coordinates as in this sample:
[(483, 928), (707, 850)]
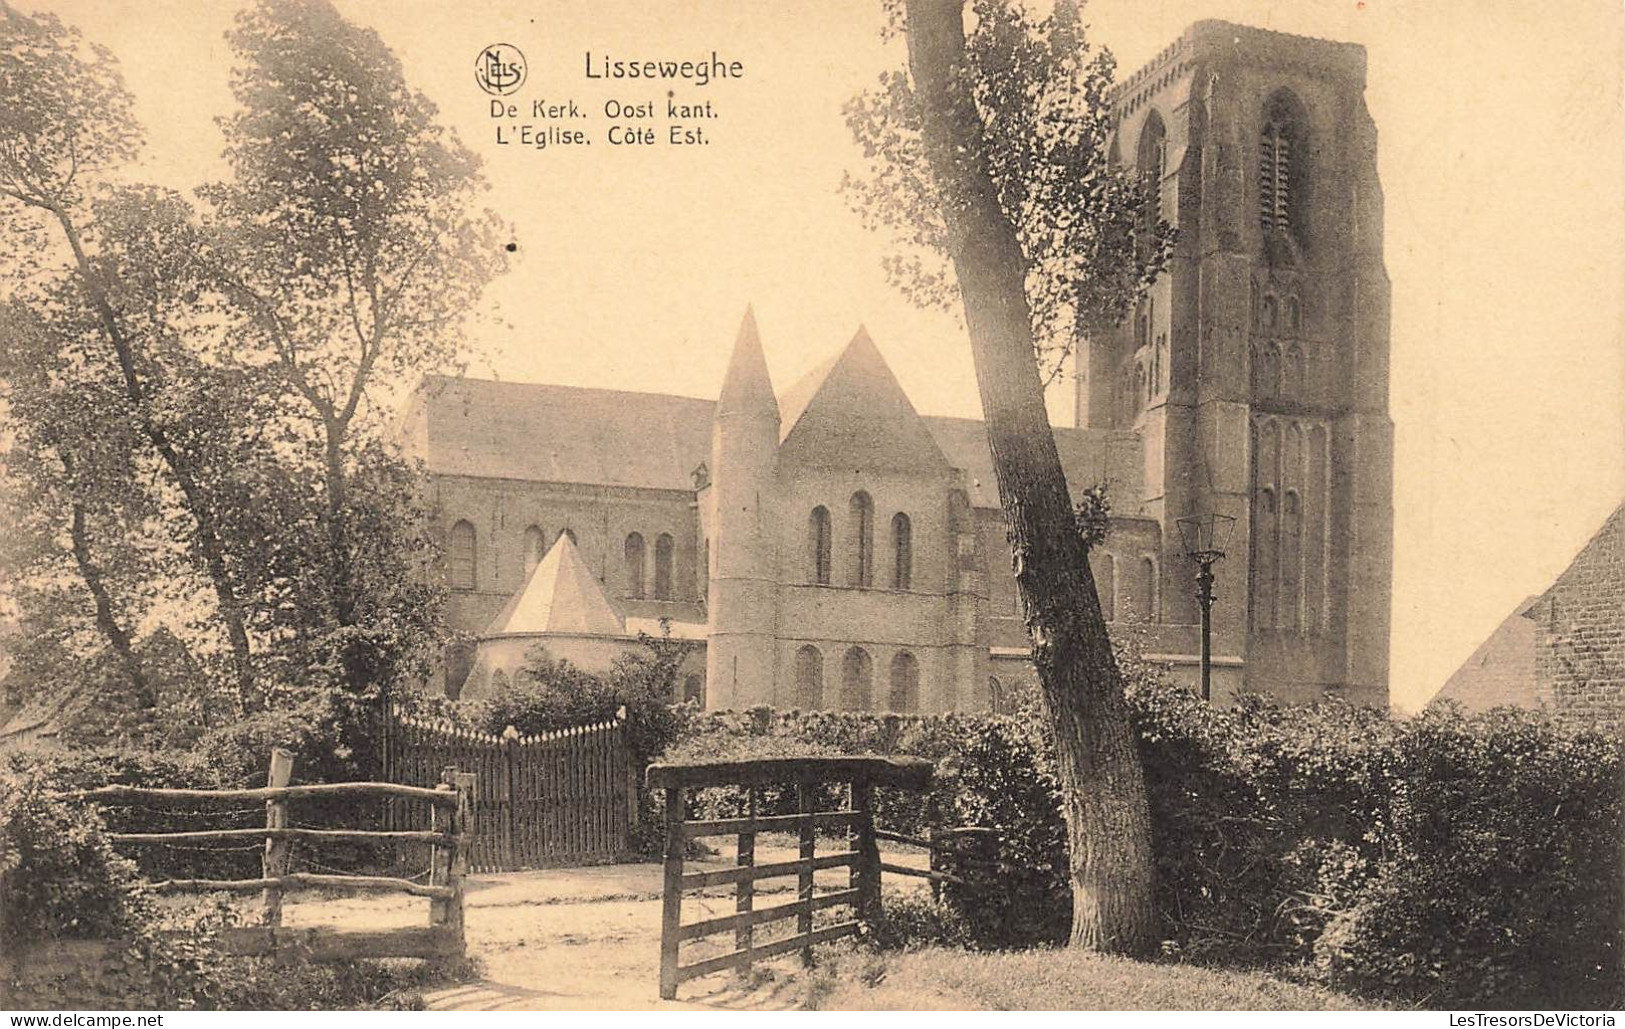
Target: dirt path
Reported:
[(585, 938)]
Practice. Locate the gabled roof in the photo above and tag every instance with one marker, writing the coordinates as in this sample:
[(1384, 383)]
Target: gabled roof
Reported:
[(853, 413), (560, 596), (571, 434), (1502, 671)]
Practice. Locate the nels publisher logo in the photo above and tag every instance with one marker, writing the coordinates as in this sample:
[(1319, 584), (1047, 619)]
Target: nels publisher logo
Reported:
[(500, 69)]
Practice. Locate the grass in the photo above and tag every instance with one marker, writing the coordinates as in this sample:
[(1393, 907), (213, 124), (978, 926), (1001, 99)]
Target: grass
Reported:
[(1047, 980)]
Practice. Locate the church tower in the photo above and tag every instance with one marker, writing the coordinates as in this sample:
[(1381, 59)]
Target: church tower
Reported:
[(1256, 369), (742, 588)]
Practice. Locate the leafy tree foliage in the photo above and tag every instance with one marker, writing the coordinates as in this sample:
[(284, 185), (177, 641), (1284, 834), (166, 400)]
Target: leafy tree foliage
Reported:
[(195, 393), (1090, 232)]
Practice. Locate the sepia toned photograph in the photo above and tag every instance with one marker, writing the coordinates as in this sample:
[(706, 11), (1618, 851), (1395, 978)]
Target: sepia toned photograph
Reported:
[(879, 505)]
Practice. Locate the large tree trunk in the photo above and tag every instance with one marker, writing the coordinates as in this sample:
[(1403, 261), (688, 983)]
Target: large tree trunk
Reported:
[(1098, 766)]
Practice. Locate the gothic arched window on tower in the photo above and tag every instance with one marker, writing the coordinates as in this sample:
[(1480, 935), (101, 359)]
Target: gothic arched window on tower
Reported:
[(861, 512), (1151, 159), (1281, 167), (1294, 314), (809, 678), (663, 548), (905, 684), (857, 679), (463, 554), (818, 545), (535, 547), (634, 566), (902, 542), (1291, 602)]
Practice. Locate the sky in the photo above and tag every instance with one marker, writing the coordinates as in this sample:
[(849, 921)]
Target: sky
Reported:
[(1502, 156)]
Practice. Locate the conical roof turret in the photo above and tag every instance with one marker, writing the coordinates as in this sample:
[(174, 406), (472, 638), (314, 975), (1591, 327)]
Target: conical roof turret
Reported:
[(747, 389)]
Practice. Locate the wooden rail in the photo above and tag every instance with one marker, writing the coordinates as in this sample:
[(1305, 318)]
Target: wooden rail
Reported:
[(862, 856), (449, 838)]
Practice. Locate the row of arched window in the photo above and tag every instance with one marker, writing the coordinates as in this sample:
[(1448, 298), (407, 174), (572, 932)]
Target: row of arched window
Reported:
[(1291, 488), (462, 559), (856, 686), (637, 583), (463, 553), (859, 548)]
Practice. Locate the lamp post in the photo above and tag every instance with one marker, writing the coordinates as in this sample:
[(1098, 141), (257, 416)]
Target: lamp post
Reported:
[(1204, 537)]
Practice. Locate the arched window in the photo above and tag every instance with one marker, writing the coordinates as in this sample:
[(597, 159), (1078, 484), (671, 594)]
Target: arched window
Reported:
[(861, 511), (1294, 314), (905, 684), (809, 678), (1264, 553), (1282, 178), (663, 545), (996, 700), (634, 566), (1148, 586), (1291, 561), (694, 690), (857, 680), (1150, 158), (818, 545), (902, 545), (463, 556), (1293, 373), (1269, 371), (1106, 585), (535, 548), (1269, 313)]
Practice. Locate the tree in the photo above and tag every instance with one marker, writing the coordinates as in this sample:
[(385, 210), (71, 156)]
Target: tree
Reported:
[(218, 375), (990, 153), (347, 244), (67, 120)]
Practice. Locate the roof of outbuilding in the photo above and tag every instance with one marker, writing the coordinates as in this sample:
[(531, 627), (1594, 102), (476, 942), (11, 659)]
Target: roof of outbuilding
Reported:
[(560, 596)]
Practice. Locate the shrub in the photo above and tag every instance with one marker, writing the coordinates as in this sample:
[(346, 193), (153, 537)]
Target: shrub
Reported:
[(1438, 860)]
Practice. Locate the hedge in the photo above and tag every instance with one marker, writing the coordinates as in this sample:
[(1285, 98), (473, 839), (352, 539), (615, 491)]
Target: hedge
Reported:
[(1435, 860)]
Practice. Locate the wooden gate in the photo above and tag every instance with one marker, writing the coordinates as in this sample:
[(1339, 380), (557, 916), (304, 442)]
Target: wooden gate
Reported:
[(560, 798)]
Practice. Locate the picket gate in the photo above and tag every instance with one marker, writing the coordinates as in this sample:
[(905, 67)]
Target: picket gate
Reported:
[(560, 798)]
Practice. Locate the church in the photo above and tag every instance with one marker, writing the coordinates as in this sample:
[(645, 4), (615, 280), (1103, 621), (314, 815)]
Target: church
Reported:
[(825, 545)]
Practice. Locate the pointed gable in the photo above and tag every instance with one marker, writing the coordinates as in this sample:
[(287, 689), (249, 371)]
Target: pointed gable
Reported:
[(560, 596), (852, 412)]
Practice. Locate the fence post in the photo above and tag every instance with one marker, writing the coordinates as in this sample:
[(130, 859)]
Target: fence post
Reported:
[(275, 862), (441, 855), (508, 791), (745, 889), (867, 869), (463, 783), (671, 896), (806, 798)]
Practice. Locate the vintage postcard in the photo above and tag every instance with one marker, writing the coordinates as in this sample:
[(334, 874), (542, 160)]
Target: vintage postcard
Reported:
[(972, 505)]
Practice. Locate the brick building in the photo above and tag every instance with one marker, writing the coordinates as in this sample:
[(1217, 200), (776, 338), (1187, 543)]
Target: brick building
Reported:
[(829, 546), (1563, 651)]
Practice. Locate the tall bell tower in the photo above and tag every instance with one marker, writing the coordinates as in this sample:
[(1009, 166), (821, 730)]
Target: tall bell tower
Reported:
[(1256, 369)]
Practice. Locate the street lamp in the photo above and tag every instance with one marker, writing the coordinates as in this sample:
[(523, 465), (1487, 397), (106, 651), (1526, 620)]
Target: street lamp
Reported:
[(1204, 537)]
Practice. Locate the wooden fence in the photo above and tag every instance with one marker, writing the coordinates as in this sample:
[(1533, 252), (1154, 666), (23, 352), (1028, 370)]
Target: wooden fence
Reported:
[(560, 798), (447, 839), (861, 857)]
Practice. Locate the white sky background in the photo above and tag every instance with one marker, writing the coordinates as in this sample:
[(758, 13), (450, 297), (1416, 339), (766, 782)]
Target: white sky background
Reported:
[(1501, 159)]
